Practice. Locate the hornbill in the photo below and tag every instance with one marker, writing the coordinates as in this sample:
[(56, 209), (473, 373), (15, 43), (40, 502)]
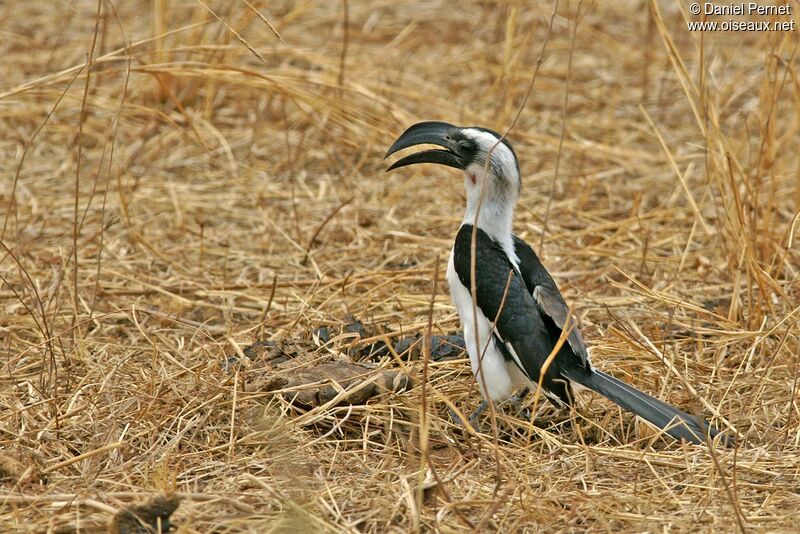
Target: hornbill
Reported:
[(520, 311)]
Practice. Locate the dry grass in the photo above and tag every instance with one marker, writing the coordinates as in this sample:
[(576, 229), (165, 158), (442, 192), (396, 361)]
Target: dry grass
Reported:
[(189, 193)]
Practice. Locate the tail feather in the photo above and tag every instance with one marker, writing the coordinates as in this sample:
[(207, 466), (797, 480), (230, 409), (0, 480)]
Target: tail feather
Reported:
[(675, 422)]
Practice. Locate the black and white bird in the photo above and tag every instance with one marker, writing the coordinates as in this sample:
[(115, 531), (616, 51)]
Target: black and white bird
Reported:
[(520, 311)]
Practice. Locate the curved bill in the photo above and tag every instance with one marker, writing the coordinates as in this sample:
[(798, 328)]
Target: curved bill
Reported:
[(431, 133), (435, 155)]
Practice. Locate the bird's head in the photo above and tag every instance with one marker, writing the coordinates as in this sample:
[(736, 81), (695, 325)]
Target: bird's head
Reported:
[(487, 159)]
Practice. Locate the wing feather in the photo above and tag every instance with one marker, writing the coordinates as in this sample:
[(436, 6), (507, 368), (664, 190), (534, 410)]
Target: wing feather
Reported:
[(548, 298)]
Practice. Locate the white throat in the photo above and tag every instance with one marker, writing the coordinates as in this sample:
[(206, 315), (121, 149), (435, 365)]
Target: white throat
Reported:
[(494, 214)]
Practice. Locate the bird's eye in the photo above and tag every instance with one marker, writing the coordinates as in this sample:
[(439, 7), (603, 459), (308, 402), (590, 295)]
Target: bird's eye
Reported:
[(464, 147)]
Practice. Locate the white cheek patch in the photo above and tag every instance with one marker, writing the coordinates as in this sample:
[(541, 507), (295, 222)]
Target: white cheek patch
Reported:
[(502, 157)]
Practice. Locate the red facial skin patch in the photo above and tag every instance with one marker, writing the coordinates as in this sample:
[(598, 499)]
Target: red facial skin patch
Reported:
[(472, 177)]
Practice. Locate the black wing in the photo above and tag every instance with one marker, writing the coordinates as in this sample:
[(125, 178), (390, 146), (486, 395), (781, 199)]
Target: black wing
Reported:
[(547, 296), (520, 323)]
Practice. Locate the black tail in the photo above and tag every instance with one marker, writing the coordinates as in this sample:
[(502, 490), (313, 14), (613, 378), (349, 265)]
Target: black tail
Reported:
[(676, 423)]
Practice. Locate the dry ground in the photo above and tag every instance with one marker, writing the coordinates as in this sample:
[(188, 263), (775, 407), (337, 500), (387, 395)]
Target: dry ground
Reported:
[(184, 195)]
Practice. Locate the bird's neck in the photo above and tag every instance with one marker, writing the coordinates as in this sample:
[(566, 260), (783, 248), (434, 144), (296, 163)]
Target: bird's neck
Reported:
[(494, 215)]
